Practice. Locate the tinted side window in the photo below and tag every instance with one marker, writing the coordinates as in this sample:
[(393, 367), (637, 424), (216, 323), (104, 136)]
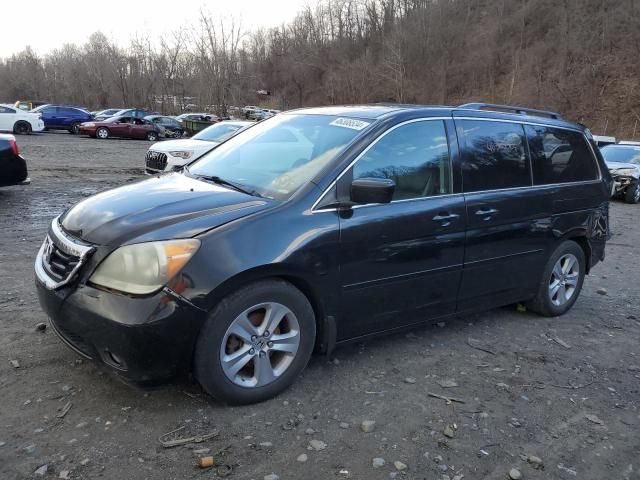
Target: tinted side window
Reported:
[(494, 156), (559, 156), (6, 110), (415, 156)]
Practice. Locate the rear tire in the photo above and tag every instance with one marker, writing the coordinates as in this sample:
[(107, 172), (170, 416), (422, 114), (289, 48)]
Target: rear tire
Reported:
[(561, 281), (22, 128), (75, 128), (252, 311), (152, 136), (632, 194), (102, 133)]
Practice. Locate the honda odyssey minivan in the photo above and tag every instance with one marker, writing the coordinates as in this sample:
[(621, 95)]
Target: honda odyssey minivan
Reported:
[(321, 226)]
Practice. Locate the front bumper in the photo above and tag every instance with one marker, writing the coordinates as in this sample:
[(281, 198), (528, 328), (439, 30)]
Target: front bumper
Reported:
[(621, 183), (14, 172), (159, 162), (143, 340), (87, 130)]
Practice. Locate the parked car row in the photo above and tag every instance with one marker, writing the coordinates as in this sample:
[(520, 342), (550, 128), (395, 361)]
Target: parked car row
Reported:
[(251, 112)]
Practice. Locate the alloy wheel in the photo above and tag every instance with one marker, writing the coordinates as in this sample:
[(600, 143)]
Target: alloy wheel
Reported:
[(22, 128), (260, 344), (564, 279)]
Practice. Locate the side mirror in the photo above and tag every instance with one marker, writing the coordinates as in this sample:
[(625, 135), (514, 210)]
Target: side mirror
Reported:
[(372, 190)]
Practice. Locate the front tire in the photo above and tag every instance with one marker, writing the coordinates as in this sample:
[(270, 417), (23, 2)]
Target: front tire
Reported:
[(561, 281), (152, 136), (632, 194), (255, 343), (102, 133), (22, 128)]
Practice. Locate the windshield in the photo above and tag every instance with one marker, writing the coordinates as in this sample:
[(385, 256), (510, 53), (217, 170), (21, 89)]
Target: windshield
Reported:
[(276, 157), (218, 132), (621, 154)]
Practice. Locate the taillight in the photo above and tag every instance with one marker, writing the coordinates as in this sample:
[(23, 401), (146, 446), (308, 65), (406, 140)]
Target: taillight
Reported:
[(14, 146)]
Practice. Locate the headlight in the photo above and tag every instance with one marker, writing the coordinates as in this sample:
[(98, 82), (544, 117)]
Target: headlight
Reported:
[(88, 124), (182, 154), (144, 267), (629, 172)]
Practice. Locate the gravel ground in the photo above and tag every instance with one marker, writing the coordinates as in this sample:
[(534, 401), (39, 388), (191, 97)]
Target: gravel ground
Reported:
[(564, 390)]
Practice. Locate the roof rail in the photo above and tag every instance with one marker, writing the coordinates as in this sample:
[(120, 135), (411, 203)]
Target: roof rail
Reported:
[(511, 109)]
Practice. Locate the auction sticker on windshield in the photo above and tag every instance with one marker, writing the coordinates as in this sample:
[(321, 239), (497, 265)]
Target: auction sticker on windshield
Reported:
[(350, 123)]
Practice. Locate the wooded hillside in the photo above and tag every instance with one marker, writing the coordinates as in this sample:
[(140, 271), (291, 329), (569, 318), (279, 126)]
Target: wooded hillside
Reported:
[(579, 57)]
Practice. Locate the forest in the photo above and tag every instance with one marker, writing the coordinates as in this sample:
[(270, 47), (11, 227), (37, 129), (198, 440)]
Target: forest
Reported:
[(576, 57)]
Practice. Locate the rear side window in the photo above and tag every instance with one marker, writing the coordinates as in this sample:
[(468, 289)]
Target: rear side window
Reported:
[(415, 156), (6, 110), (494, 156), (560, 156)]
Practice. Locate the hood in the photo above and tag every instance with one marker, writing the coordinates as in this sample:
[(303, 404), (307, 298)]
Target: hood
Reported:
[(196, 146), (159, 208), (613, 166)]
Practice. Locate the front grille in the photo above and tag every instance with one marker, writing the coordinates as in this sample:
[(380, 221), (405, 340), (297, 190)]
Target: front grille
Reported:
[(156, 160), (58, 264), (60, 257)]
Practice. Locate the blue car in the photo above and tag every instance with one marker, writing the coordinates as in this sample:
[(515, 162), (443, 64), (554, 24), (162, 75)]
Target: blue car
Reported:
[(61, 117)]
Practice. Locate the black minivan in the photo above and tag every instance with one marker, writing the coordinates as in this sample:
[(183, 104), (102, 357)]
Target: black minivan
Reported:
[(321, 226)]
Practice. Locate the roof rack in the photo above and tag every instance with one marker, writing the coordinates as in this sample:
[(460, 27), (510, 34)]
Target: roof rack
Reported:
[(511, 109)]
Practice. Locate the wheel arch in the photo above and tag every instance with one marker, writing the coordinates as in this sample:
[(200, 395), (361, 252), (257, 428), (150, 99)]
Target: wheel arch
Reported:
[(581, 238), (324, 329), (22, 122)]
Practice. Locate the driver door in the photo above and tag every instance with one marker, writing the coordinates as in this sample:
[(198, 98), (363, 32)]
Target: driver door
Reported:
[(401, 262), (121, 128)]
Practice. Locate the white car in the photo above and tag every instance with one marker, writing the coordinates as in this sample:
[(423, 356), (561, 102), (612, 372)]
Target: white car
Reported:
[(172, 155), (18, 121)]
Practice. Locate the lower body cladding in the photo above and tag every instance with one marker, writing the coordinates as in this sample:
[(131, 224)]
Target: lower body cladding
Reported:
[(143, 340)]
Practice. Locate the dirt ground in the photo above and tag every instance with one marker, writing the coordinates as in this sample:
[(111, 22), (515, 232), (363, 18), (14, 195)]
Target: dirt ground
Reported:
[(565, 390)]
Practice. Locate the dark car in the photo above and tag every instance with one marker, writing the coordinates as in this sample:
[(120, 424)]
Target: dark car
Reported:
[(134, 112), (13, 168), (104, 114), (122, 127), (170, 126), (323, 226), (62, 117), (624, 165)]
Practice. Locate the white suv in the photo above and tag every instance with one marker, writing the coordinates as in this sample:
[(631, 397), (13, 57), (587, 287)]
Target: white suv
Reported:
[(18, 121), (171, 155)]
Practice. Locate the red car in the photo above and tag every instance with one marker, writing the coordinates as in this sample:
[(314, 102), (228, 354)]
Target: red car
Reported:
[(123, 127)]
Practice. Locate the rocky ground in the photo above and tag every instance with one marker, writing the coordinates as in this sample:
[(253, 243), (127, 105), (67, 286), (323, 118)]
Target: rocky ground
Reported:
[(505, 394)]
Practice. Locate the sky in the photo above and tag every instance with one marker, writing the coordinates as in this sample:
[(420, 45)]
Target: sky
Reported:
[(48, 24)]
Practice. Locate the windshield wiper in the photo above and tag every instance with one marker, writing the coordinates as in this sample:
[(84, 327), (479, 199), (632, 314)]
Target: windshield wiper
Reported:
[(222, 181)]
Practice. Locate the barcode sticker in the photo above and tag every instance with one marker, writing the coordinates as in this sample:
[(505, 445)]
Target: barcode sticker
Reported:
[(350, 123)]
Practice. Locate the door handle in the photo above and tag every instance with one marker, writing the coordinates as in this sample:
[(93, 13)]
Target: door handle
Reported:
[(445, 218), (486, 212)]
